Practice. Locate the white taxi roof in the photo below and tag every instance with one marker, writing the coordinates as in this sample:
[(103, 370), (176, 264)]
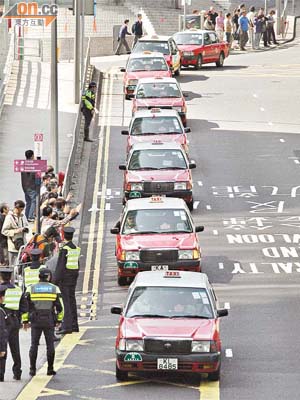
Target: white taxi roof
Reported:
[(165, 278), (159, 80), (156, 144), (147, 203), (158, 113), (146, 54), (155, 38)]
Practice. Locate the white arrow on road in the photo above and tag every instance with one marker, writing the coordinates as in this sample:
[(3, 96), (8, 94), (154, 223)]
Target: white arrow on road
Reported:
[(94, 208)]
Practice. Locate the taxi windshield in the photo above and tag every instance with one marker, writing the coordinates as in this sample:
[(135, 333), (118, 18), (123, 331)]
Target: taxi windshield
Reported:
[(155, 126), (157, 159), (153, 46), (147, 64), (156, 221), (169, 302), (158, 90), (188, 38)]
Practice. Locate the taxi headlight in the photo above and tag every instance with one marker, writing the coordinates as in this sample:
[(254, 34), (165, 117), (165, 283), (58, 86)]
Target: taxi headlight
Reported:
[(180, 186), (185, 254), (178, 109), (132, 82), (202, 346), (122, 344), (134, 345), (137, 186), (188, 53), (132, 256)]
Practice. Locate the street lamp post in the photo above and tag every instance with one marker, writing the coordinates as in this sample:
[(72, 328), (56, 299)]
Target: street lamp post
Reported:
[(54, 98), (77, 53), (82, 41)]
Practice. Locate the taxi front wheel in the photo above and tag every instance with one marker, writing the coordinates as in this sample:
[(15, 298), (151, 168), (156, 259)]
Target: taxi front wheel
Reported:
[(122, 281), (121, 375), (214, 376)]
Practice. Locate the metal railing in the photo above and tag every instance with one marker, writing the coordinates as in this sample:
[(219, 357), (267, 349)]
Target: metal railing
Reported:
[(69, 173)]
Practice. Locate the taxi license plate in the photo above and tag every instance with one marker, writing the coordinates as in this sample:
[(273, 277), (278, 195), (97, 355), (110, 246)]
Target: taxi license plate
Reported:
[(159, 267), (167, 363)]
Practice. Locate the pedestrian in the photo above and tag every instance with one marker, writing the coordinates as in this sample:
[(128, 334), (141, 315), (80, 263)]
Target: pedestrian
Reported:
[(88, 108), (66, 275), (243, 27), (45, 182), (15, 227), (213, 15), (260, 29), (122, 38), (235, 23), (251, 16), (220, 26), (228, 29), (29, 189), (137, 29), (45, 311), (4, 209), (270, 28), (264, 20), (3, 334), (208, 25), (48, 221), (14, 306)]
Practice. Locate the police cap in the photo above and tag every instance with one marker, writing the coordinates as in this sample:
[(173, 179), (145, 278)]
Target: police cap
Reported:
[(44, 273), (92, 84), (8, 270), (35, 252), (69, 230)]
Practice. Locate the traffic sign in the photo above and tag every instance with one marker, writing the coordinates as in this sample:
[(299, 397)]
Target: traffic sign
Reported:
[(38, 137), (30, 165), (38, 144)]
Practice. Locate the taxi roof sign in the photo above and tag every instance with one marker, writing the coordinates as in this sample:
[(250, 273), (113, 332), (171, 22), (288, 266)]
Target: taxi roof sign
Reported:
[(147, 52), (157, 141), (155, 110), (156, 199), (172, 274)]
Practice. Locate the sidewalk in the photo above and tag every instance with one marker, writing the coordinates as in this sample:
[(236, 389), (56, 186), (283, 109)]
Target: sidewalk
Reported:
[(27, 111)]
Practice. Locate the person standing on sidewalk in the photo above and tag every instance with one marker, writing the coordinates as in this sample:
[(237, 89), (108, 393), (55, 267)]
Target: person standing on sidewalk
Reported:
[(4, 209), (29, 189), (250, 16), (66, 275), (15, 307), (137, 29), (122, 38), (270, 28), (220, 26), (3, 334), (15, 227), (45, 311), (88, 108), (228, 29), (244, 27)]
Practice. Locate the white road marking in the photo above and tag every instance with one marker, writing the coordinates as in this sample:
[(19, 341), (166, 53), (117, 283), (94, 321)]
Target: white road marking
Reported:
[(108, 192), (296, 161), (262, 109), (215, 232), (200, 183), (107, 206), (227, 306), (221, 266), (99, 194), (208, 207), (196, 204), (270, 123), (228, 353), (94, 208), (255, 95), (282, 140), (118, 193)]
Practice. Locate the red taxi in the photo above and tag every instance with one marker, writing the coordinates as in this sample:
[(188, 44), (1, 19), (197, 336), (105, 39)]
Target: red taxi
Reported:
[(149, 125), (161, 44), (164, 93), (156, 233), (170, 322), (201, 47), (158, 168), (143, 65)]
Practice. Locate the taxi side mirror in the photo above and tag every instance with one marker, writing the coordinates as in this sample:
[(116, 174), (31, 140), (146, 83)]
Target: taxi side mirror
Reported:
[(115, 230), (192, 165), (122, 69), (124, 132), (185, 95), (116, 310), (199, 228), (122, 167), (187, 129), (223, 312)]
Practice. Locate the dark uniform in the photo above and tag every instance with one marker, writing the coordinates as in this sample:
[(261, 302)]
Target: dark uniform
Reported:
[(88, 108), (45, 311), (66, 275), (3, 335), (14, 306)]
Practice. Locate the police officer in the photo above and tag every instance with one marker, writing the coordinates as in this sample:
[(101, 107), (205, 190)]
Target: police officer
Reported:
[(31, 272), (88, 108), (14, 306), (3, 334), (66, 275), (45, 310)]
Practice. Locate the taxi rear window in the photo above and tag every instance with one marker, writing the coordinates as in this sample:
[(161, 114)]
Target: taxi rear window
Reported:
[(169, 302), (160, 159), (155, 126), (147, 64), (153, 46), (157, 221), (157, 90)]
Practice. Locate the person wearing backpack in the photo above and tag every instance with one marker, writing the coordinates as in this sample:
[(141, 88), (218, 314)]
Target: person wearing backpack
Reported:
[(137, 29)]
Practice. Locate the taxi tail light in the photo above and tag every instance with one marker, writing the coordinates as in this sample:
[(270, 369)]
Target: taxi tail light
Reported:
[(123, 256)]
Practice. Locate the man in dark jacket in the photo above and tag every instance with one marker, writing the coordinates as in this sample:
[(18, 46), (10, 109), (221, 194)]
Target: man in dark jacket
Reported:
[(29, 189), (66, 275), (4, 209), (3, 334), (137, 29), (122, 38)]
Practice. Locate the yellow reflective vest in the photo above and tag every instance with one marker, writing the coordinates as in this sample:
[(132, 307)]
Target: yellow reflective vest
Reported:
[(72, 257), (12, 298)]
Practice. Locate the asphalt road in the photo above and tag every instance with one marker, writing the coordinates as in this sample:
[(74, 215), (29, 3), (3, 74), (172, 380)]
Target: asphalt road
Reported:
[(245, 124)]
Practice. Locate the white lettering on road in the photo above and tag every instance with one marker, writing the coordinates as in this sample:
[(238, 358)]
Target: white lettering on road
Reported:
[(278, 252), (268, 207)]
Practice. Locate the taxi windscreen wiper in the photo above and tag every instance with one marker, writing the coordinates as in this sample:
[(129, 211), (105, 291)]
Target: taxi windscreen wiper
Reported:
[(172, 168), (148, 316), (191, 316)]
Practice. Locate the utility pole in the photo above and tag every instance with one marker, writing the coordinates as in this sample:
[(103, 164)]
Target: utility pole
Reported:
[(54, 98), (278, 16), (184, 15), (82, 41), (77, 53)]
